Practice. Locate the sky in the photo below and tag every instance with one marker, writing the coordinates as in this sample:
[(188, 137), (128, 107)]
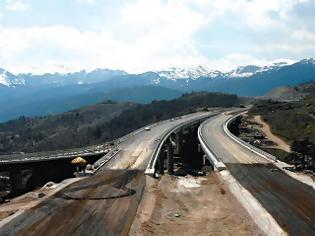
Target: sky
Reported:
[(142, 35)]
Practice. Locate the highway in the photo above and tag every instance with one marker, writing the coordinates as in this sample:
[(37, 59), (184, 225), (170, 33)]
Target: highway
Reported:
[(290, 202), (136, 150), (55, 155), (104, 204)]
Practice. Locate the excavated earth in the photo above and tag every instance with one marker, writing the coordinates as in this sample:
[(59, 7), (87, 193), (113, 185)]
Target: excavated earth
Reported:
[(191, 206)]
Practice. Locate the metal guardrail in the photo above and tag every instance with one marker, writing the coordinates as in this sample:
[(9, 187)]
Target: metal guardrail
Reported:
[(213, 156), (105, 159), (137, 131), (150, 170), (250, 147), (97, 149), (92, 150), (60, 156)]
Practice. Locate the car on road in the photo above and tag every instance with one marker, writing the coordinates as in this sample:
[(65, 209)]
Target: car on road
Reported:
[(147, 128)]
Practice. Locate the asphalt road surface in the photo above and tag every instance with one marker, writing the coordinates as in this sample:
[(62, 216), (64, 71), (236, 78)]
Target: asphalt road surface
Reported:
[(104, 204), (290, 202), (136, 150)]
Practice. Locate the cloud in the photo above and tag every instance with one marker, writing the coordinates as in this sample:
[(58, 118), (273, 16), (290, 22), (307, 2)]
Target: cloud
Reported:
[(155, 14), (91, 2), (236, 59), (17, 5), (155, 35), (255, 14), (46, 46), (144, 35)]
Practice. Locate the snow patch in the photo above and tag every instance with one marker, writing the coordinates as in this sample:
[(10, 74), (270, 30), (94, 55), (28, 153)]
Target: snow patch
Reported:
[(174, 73), (250, 70), (188, 73), (9, 80), (156, 81), (4, 79), (310, 61), (234, 74)]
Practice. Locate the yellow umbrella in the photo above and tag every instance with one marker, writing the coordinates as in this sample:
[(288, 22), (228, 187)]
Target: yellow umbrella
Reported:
[(78, 160)]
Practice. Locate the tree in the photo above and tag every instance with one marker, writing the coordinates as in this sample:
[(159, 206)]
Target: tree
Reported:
[(304, 152)]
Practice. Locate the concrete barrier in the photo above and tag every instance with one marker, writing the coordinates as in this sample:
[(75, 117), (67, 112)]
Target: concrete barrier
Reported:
[(212, 156)]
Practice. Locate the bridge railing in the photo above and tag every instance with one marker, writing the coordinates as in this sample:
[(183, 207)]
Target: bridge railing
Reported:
[(242, 142), (214, 158)]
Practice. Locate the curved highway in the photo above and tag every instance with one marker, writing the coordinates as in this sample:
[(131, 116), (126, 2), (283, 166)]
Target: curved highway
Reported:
[(104, 204), (290, 202)]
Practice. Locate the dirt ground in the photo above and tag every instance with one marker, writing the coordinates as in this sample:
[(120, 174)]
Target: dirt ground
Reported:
[(30, 199), (191, 206), (103, 204), (266, 130)]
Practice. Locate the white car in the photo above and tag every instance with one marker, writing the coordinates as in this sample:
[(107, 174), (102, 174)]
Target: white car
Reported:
[(147, 128)]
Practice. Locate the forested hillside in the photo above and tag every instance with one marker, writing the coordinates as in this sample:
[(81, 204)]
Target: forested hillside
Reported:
[(99, 123), (295, 122), (70, 129)]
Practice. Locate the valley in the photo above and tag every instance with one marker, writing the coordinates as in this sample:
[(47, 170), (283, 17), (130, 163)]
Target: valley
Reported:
[(47, 94), (157, 117), (99, 123)]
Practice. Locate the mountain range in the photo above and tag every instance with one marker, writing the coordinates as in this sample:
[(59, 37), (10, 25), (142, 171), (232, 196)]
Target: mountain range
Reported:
[(36, 95)]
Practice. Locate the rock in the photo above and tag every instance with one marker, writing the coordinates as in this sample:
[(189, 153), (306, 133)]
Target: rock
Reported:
[(173, 215), (49, 185), (41, 195), (89, 167)]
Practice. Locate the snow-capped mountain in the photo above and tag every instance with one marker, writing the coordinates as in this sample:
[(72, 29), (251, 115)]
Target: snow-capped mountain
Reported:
[(308, 61), (154, 77), (189, 73), (250, 80), (75, 89), (72, 78), (250, 70), (243, 71), (9, 80), (202, 71)]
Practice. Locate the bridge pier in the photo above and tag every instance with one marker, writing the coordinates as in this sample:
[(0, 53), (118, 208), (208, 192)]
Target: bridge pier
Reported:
[(15, 182), (180, 153), (160, 163), (178, 141), (170, 157), (204, 158)]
